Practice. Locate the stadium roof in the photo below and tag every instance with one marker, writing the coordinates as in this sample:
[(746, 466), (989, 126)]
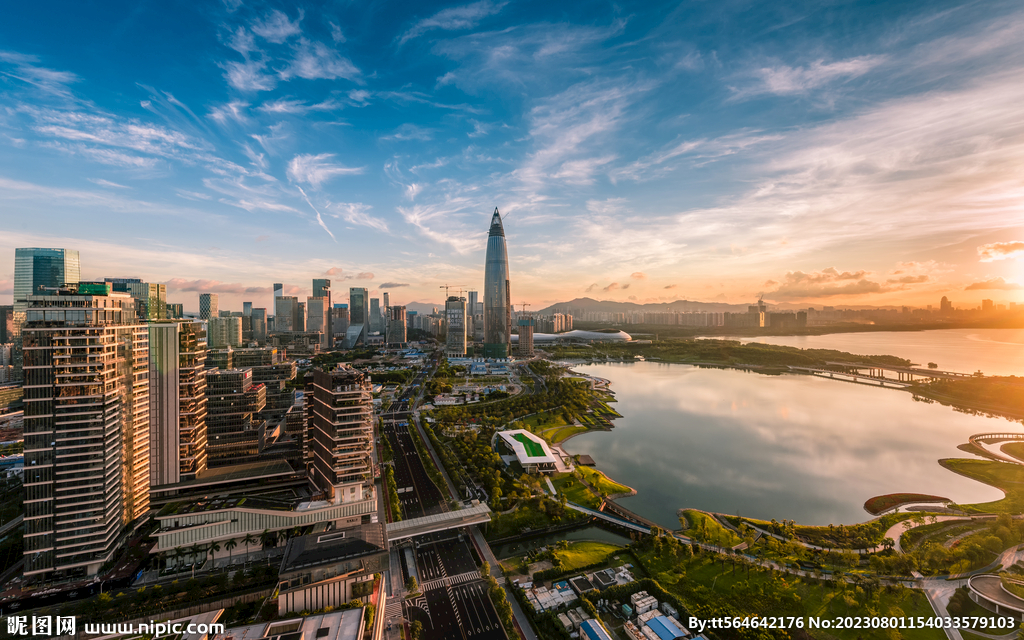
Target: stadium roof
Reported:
[(529, 449)]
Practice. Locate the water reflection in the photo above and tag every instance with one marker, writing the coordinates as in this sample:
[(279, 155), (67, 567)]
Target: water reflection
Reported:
[(793, 447)]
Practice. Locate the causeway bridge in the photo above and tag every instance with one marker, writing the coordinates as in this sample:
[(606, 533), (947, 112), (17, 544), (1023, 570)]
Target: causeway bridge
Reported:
[(980, 440)]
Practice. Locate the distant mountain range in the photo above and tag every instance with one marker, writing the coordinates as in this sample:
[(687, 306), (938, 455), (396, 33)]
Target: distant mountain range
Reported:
[(589, 304)]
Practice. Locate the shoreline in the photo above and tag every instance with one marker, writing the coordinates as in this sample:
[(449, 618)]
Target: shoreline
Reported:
[(634, 492)]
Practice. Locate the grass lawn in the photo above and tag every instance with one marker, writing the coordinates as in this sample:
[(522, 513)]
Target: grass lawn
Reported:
[(713, 582), (1007, 477), (706, 529), (602, 482), (576, 491), (544, 419), (561, 433), (1015, 449), (585, 553), (911, 538)]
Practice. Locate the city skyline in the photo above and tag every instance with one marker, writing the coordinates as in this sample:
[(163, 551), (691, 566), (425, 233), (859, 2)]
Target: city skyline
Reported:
[(821, 156)]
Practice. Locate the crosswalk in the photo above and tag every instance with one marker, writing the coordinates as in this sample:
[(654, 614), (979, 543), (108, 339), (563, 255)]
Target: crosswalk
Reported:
[(451, 581), (393, 610)]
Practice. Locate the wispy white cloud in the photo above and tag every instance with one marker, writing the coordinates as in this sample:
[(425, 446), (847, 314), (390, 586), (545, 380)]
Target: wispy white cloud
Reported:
[(464, 17), (276, 27), (319, 219), (107, 183), (317, 61), (248, 76), (1001, 251), (234, 110), (358, 214), (784, 80), (317, 169), (298, 107)]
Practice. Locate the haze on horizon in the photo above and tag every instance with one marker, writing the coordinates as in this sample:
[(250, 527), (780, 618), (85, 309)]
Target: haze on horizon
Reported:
[(820, 153)]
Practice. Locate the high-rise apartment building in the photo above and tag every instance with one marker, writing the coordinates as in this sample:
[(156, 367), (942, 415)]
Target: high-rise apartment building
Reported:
[(209, 305), (497, 300), (455, 320), (225, 332), (35, 268), (526, 326), (341, 442), (177, 404), (396, 326), (233, 426), (358, 300), (86, 476)]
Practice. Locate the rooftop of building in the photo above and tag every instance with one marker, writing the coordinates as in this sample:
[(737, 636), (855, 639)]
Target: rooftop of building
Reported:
[(189, 507), (253, 471), (527, 447), (337, 625), (319, 549)]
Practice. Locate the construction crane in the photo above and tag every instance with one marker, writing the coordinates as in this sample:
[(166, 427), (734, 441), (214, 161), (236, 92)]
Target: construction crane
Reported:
[(523, 305), (451, 286)]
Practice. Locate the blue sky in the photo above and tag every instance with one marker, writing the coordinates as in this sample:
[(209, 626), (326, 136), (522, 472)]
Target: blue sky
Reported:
[(818, 152)]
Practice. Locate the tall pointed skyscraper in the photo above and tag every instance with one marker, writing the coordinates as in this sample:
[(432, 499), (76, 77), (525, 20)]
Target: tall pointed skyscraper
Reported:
[(497, 305)]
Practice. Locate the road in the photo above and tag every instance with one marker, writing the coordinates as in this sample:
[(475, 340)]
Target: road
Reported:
[(453, 603)]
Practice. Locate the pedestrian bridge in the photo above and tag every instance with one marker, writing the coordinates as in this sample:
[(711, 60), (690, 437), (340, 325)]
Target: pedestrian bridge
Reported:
[(622, 522), (479, 514)]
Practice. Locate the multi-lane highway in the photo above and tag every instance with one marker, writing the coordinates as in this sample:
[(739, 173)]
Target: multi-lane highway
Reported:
[(453, 603)]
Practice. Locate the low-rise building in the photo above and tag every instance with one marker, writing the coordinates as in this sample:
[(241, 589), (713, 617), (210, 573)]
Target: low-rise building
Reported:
[(529, 450)]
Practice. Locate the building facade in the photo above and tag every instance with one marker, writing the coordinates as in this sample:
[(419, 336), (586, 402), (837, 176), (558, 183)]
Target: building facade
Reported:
[(35, 268), (526, 326), (396, 326), (341, 442), (209, 305), (225, 332), (177, 416), (233, 425), (86, 428), (455, 321), (358, 312), (497, 298)]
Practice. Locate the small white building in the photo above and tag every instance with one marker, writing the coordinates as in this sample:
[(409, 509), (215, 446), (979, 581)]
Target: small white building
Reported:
[(529, 450)]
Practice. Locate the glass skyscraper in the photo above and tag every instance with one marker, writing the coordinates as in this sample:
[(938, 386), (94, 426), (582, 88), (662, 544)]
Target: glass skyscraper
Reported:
[(358, 298), (35, 268), (497, 302)]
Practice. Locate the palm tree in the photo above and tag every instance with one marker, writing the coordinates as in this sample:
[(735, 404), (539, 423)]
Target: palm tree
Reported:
[(229, 546), (178, 554), (265, 537), (247, 541), (212, 550)]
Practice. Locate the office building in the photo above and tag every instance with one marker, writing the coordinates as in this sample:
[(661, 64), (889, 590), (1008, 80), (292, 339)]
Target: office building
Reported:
[(150, 298), (497, 300), (175, 310), (358, 299), (299, 321), (385, 314), (259, 325), (455, 321), (246, 309), (526, 326), (177, 403), (35, 268), (209, 305), (322, 289), (341, 441), (225, 332), (278, 291), (233, 425), (6, 323), (317, 319), (376, 319), (285, 313), (396, 326), (339, 322), (86, 364)]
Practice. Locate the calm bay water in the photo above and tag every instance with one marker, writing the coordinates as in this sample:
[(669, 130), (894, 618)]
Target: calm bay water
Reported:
[(785, 447), (995, 352)]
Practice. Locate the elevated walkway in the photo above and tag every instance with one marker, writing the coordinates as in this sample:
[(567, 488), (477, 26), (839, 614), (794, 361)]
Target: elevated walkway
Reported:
[(622, 522), (480, 514)]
